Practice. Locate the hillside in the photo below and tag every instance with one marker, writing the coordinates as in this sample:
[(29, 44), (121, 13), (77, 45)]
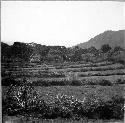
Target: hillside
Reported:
[(113, 38), (32, 52)]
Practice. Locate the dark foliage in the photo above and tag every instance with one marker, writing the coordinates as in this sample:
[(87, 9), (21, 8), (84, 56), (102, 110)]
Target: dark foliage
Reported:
[(105, 48), (23, 52), (9, 81), (120, 81), (105, 83)]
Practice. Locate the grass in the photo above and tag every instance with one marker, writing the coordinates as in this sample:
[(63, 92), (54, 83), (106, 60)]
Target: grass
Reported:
[(104, 92)]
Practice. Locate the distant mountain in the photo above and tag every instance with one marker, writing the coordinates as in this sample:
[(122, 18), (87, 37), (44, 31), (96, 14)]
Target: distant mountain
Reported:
[(113, 38)]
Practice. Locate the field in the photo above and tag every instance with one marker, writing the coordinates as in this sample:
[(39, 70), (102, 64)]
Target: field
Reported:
[(64, 74), (93, 86)]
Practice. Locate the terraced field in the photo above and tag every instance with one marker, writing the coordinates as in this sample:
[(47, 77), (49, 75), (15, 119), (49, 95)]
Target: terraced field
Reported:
[(99, 83), (114, 72)]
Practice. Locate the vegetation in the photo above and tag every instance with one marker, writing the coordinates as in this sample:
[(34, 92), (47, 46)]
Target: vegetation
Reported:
[(27, 101), (105, 48), (55, 82), (36, 53)]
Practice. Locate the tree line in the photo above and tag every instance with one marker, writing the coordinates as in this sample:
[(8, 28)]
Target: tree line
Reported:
[(41, 53)]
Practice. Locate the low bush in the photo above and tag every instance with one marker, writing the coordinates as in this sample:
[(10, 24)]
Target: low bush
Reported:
[(76, 83), (121, 61), (9, 81), (73, 82), (120, 81), (51, 82), (105, 83)]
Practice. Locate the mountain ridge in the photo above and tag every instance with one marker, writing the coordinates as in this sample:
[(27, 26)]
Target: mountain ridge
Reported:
[(113, 38)]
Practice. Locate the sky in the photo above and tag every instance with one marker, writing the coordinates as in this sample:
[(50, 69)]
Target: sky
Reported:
[(64, 23)]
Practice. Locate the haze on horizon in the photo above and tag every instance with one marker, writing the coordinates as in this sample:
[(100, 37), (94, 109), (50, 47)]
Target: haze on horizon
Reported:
[(64, 23)]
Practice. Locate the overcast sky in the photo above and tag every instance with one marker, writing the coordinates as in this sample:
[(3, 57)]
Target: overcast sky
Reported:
[(64, 23)]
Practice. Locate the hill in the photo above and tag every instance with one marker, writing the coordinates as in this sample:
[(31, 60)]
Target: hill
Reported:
[(113, 38), (88, 51)]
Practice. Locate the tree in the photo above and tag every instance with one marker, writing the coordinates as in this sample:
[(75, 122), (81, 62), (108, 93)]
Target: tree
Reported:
[(105, 48), (21, 51), (118, 48)]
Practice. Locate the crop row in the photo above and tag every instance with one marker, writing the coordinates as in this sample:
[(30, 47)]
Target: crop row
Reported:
[(86, 65), (61, 72), (102, 73), (85, 69), (61, 66)]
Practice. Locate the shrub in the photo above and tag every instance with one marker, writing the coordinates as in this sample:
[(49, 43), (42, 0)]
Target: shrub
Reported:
[(105, 83), (51, 82), (105, 48), (76, 82), (116, 105), (121, 61), (21, 100), (67, 106), (9, 81), (120, 81), (91, 83)]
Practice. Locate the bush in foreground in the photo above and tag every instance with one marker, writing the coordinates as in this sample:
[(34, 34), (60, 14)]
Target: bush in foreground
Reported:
[(24, 100)]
